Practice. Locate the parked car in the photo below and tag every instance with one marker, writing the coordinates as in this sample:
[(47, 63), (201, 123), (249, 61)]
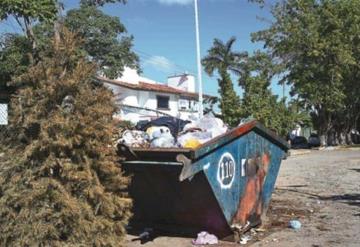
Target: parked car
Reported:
[(314, 140), (299, 142), (355, 136)]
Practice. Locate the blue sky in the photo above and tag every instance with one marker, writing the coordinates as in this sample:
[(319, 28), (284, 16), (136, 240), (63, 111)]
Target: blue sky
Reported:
[(164, 32)]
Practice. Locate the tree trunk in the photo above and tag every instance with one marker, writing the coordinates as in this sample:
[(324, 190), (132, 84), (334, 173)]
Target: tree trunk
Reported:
[(349, 140), (323, 140), (331, 138), (30, 33), (57, 33), (341, 138)]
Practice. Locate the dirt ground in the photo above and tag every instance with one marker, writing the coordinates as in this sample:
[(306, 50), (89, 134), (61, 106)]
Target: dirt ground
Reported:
[(321, 189)]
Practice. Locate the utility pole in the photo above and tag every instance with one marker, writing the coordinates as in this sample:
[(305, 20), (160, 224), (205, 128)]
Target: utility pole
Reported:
[(199, 77)]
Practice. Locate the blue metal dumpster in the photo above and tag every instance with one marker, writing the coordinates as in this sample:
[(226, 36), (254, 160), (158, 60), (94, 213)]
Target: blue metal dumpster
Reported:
[(223, 185)]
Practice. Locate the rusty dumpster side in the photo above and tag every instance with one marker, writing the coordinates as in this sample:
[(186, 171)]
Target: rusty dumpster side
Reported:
[(223, 185)]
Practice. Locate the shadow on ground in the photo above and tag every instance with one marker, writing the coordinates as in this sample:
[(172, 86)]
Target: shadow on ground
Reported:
[(279, 214), (147, 233), (350, 199), (355, 169)]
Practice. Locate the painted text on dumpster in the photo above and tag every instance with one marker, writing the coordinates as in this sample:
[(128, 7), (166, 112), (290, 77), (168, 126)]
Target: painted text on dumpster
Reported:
[(226, 170)]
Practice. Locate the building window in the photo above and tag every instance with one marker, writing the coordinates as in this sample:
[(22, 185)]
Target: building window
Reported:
[(183, 104), (162, 102)]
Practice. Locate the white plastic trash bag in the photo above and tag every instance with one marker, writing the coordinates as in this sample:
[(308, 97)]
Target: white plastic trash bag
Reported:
[(134, 138), (161, 137)]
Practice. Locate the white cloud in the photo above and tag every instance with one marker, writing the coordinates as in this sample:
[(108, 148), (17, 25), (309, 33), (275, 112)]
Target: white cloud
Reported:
[(180, 2), (160, 63)]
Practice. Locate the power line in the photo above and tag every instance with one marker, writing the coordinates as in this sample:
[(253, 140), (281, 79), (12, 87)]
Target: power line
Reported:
[(148, 56), (180, 68)]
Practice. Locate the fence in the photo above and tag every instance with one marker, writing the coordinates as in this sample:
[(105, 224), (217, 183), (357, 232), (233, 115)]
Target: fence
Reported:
[(145, 112)]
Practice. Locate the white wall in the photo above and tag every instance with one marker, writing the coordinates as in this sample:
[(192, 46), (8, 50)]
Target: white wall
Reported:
[(191, 111), (143, 97), (130, 98), (184, 82), (124, 95), (151, 103), (148, 99), (131, 76)]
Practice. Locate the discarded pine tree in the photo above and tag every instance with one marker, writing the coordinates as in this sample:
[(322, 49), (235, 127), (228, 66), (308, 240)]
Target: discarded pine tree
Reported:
[(60, 185)]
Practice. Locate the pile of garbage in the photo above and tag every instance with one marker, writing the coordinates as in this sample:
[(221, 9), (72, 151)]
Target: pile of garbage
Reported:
[(170, 132)]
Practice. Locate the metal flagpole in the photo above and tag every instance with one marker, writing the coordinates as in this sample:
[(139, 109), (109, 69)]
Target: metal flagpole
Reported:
[(198, 60)]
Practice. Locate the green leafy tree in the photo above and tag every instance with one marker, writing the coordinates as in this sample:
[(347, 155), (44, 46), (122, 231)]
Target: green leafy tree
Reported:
[(26, 12), (257, 71), (101, 33), (60, 184), (28, 9), (349, 115), (17, 51), (14, 58), (100, 2), (302, 115), (316, 42), (258, 102), (260, 2), (222, 59)]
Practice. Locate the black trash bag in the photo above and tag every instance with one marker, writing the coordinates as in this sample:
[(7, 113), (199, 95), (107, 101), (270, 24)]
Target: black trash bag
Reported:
[(175, 125)]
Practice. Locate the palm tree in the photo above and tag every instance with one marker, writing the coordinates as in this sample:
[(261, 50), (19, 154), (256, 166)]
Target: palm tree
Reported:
[(222, 59)]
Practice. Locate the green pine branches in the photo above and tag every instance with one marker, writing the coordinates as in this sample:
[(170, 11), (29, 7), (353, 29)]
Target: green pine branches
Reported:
[(60, 184)]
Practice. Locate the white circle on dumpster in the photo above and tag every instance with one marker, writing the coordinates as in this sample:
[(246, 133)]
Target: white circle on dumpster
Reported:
[(226, 171)]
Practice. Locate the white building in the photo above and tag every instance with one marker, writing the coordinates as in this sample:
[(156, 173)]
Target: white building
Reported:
[(143, 99)]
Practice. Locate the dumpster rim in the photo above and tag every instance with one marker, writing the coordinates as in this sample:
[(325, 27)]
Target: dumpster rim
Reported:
[(219, 141)]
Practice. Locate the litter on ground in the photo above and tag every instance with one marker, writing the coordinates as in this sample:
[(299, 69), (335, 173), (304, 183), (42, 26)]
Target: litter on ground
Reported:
[(205, 238)]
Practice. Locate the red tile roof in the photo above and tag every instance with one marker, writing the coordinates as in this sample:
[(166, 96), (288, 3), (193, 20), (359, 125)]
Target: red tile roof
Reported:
[(162, 88)]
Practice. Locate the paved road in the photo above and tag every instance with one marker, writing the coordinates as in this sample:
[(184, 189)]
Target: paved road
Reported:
[(326, 183), (321, 189)]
